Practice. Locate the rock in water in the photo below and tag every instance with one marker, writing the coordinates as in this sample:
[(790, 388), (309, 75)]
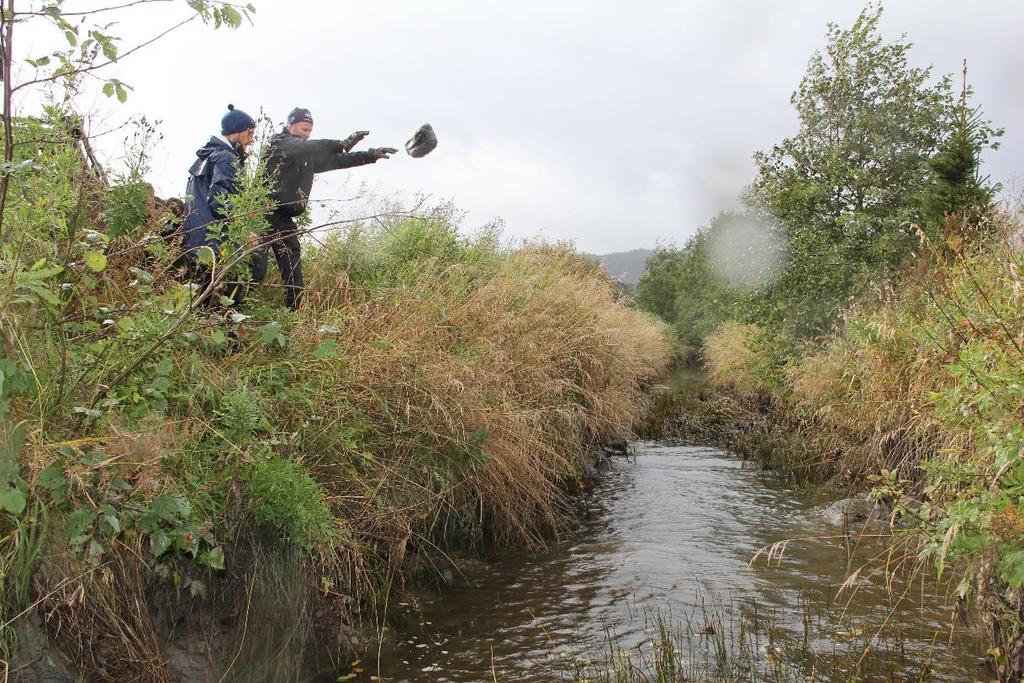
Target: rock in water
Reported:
[(853, 510), (422, 142)]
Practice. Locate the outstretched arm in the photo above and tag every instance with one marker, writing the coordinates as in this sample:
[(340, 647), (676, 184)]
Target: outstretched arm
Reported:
[(333, 162), (355, 158)]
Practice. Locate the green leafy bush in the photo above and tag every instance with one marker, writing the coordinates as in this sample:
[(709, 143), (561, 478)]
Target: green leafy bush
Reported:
[(281, 494)]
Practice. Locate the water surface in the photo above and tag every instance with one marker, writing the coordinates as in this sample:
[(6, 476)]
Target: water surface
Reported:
[(674, 530)]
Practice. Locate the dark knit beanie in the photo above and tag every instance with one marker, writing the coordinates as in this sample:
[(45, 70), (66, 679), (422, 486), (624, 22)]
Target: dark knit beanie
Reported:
[(235, 121), (299, 115)]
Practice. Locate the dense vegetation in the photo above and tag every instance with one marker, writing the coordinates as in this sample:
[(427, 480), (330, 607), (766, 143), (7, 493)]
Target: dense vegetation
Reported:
[(258, 477), (882, 154), (885, 333)]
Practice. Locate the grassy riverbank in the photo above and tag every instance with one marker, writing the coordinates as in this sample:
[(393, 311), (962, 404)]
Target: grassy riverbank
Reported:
[(918, 398), (171, 471), (861, 312)]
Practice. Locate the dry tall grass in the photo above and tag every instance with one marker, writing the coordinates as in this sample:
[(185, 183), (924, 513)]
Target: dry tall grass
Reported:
[(922, 395), (732, 357), (520, 374), (436, 400)]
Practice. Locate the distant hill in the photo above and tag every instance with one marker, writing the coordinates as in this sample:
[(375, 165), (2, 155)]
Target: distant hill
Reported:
[(625, 266)]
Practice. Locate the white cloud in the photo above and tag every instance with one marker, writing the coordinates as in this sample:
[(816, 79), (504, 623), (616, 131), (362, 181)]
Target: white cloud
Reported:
[(610, 123)]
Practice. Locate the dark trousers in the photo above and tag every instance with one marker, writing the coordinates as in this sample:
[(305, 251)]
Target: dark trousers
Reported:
[(283, 238), (234, 288)]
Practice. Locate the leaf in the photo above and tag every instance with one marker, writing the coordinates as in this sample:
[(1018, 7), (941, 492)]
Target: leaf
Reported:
[(10, 450), (218, 337), (159, 542), (107, 45), (95, 261), (52, 478), (326, 349), (78, 523), (95, 552), (146, 276), (171, 508), (1011, 567), (231, 16), (12, 500), (205, 256), (43, 293), (270, 332), (37, 273), (215, 558), (161, 384), (109, 523), (93, 458), (165, 366)]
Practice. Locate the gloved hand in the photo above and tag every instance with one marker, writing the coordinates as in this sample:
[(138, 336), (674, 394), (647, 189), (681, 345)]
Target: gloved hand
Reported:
[(382, 152), (354, 139)]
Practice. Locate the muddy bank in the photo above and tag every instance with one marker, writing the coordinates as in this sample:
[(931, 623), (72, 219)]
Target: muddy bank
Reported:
[(687, 409)]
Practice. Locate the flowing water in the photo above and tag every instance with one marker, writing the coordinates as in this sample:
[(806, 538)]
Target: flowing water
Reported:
[(673, 531)]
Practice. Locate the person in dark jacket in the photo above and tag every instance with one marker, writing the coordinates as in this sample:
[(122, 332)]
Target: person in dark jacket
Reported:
[(292, 161), (213, 178)]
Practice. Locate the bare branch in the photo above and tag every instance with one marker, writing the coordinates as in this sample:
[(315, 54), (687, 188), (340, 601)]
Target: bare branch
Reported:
[(94, 67), (95, 11)]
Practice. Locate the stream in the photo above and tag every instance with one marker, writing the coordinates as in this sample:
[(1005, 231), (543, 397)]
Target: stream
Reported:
[(669, 535)]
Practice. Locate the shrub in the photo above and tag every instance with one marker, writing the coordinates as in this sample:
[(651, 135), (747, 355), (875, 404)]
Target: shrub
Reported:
[(281, 494)]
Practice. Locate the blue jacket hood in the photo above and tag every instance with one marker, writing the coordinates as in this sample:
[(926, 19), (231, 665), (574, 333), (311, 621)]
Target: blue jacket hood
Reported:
[(216, 144)]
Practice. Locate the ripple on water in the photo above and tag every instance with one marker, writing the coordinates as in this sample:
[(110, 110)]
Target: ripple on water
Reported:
[(674, 527)]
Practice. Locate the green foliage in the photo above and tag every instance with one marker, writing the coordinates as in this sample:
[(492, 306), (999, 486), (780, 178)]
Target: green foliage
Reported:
[(843, 191), (656, 290), (280, 494), (127, 207), (241, 415), (717, 276), (958, 189), (883, 151), (376, 257)]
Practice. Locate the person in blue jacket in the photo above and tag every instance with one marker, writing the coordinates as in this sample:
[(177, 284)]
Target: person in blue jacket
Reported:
[(213, 178)]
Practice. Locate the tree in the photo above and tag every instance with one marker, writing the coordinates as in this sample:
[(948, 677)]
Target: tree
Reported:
[(690, 287), (703, 299), (656, 289), (90, 48), (959, 196), (844, 190)]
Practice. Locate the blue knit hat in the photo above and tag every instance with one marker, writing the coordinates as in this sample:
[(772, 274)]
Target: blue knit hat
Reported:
[(235, 121)]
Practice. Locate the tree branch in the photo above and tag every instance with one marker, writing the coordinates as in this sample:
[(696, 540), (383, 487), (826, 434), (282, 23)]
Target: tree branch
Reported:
[(94, 11), (94, 67)]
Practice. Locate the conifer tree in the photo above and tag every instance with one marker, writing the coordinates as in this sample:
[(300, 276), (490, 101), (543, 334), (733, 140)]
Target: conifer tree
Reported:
[(959, 196)]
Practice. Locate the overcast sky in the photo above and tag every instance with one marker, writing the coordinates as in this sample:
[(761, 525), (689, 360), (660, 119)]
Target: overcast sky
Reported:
[(610, 124)]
